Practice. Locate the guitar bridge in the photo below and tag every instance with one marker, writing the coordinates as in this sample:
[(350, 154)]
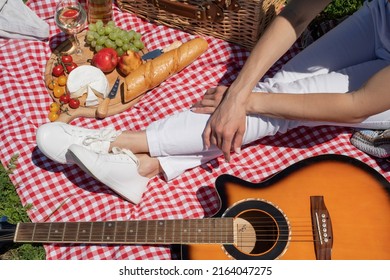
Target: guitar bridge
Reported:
[(322, 228)]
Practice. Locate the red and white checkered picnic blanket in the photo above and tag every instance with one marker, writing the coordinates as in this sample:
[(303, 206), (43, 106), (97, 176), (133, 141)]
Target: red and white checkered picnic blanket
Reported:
[(64, 193)]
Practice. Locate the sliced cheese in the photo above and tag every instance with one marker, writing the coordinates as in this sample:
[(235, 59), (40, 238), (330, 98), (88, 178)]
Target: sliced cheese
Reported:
[(91, 99), (90, 80)]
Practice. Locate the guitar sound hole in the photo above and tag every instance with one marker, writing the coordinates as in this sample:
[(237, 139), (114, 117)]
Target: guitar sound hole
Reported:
[(262, 231), (265, 229)]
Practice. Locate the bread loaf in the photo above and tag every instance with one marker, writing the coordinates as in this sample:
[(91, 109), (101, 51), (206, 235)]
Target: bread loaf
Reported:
[(155, 71)]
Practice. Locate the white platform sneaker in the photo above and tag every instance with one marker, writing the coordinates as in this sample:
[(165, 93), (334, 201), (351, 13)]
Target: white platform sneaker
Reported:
[(117, 170), (53, 139)]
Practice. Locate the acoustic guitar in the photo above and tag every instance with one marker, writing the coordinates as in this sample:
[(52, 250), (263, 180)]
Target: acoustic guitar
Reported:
[(323, 207)]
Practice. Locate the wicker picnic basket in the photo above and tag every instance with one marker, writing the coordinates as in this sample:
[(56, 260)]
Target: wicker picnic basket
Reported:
[(238, 21)]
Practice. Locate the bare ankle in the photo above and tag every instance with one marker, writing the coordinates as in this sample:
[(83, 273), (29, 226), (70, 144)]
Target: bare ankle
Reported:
[(149, 167)]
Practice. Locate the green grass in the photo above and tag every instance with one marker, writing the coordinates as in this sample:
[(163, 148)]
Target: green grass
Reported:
[(340, 8), (12, 208)]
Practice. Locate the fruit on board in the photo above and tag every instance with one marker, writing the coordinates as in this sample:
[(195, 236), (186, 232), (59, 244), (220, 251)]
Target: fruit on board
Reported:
[(128, 62), (106, 60), (70, 67), (74, 103), (65, 98), (101, 36), (58, 70)]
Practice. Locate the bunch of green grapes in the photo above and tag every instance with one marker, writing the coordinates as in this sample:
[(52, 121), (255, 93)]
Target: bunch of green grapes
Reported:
[(101, 36)]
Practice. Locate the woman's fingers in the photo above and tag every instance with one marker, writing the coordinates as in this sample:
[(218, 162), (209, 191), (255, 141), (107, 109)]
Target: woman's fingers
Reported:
[(207, 136)]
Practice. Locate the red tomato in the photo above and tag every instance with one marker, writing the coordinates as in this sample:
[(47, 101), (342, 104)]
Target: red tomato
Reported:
[(67, 59), (65, 98), (74, 103), (70, 67), (58, 70)]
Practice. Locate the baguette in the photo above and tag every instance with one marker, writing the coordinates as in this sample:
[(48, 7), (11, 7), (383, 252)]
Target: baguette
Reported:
[(155, 71)]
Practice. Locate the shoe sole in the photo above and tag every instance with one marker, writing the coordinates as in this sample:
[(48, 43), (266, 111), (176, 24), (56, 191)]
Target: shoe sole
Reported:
[(76, 161)]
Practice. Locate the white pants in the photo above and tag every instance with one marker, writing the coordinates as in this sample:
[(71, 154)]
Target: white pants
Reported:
[(340, 61)]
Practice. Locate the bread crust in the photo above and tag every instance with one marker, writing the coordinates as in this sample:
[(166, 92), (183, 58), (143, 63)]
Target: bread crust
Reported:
[(153, 72)]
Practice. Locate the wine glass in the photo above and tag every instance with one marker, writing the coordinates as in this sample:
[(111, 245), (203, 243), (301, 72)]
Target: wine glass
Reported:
[(71, 18)]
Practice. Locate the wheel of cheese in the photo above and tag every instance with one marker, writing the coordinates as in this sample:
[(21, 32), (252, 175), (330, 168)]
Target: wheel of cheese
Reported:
[(90, 80)]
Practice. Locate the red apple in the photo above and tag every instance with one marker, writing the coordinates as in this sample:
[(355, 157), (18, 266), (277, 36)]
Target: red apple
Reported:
[(106, 59)]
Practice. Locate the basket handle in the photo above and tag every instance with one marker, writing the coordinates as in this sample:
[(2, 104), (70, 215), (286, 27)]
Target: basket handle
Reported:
[(209, 11)]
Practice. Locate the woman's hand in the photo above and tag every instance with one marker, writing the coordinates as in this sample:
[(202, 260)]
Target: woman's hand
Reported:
[(210, 100), (226, 126)]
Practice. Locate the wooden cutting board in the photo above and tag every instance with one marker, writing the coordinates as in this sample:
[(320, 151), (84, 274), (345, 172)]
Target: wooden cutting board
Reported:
[(116, 105)]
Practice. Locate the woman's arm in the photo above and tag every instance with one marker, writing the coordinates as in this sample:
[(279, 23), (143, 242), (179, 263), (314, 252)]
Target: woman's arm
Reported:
[(226, 126), (354, 107), (278, 38)]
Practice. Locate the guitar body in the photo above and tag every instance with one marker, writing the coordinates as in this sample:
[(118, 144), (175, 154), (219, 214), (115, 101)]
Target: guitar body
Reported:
[(356, 196)]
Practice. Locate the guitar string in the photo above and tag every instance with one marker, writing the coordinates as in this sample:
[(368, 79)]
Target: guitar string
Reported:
[(190, 236), (260, 224), (146, 230), (255, 224), (118, 233), (199, 222), (6, 237), (193, 240), (188, 239)]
